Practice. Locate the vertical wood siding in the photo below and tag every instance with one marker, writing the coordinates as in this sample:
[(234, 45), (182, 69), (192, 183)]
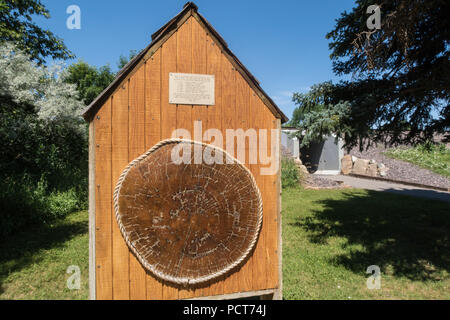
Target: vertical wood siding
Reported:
[(120, 147), (136, 142), (135, 118), (153, 136), (103, 203)]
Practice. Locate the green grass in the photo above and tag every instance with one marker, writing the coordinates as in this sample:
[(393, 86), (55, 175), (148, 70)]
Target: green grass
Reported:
[(33, 263), (433, 157), (331, 237)]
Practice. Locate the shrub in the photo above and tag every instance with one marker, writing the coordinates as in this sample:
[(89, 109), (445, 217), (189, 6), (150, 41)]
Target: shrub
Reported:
[(24, 202), (18, 203), (43, 170), (290, 175), (61, 204)]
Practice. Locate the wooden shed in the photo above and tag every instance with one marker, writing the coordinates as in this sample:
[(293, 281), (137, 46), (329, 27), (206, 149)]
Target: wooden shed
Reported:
[(134, 114)]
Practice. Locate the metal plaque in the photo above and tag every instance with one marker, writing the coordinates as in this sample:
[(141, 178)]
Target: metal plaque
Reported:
[(191, 89)]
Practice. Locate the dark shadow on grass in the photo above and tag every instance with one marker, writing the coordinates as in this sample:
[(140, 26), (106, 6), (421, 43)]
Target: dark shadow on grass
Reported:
[(405, 236), (423, 193), (22, 249)]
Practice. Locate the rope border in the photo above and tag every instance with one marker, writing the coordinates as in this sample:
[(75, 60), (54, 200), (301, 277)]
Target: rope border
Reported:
[(184, 281)]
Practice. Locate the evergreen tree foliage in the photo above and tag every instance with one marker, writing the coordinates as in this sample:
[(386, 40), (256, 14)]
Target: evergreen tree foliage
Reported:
[(400, 85)]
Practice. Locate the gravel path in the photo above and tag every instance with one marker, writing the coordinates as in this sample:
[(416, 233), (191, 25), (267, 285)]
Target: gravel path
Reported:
[(402, 171), (314, 181)]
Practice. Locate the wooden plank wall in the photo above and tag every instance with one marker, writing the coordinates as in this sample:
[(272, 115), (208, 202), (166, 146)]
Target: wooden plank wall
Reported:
[(136, 117)]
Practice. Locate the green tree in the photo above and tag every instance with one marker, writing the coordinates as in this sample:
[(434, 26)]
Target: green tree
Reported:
[(90, 81), (315, 100), (123, 60), (16, 24), (44, 158), (317, 116), (34, 99), (39, 89), (400, 73)]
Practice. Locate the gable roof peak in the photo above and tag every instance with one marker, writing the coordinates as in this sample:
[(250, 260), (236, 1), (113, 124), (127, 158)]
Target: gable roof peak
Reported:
[(158, 38), (191, 5)]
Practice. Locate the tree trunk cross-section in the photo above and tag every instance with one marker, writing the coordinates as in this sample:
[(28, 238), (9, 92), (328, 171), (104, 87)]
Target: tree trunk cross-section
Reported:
[(188, 223)]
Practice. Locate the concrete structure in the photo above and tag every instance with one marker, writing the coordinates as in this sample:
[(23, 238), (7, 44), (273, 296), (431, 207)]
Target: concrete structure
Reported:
[(291, 144), (320, 158)]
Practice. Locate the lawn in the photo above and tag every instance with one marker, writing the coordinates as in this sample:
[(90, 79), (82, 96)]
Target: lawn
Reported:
[(33, 263), (433, 157), (329, 239)]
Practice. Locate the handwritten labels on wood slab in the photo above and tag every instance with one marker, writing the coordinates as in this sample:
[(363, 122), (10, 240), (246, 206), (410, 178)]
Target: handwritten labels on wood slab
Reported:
[(191, 89)]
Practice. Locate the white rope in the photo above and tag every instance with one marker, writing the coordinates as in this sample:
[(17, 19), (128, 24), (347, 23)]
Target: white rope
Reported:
[(180, 280)]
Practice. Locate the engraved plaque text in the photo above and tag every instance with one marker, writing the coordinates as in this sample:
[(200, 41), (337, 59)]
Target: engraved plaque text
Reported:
[(191, 89)]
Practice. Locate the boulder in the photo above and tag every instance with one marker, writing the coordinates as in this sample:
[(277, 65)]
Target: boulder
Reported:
[(303, 169), (383, 171), (300, 166), (372, 170), (361, 167), (347, 164)]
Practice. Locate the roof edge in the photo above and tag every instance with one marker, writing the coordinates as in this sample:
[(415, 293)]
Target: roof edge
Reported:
[(188, 9)]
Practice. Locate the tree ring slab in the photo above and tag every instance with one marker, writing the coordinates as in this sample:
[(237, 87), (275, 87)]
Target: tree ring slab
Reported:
[(191, 222)]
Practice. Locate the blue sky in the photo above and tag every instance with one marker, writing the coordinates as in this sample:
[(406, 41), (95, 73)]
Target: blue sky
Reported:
[(281, 42)]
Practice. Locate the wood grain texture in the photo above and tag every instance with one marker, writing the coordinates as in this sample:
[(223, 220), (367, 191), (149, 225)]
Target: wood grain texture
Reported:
[(199, 66), (271, 203), (103, 201), (184, 65), (168, 120), (184, 112), (136, 142), (214, 114), (259, 265), (199, 113), (279, 291), (152, 137), (92, 222), (244, 279), (168, 64), (217, 66), (186, 222), (120, 254), (153, 83), (229, 120), (264, 152), (228, 94), (214, 66)]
